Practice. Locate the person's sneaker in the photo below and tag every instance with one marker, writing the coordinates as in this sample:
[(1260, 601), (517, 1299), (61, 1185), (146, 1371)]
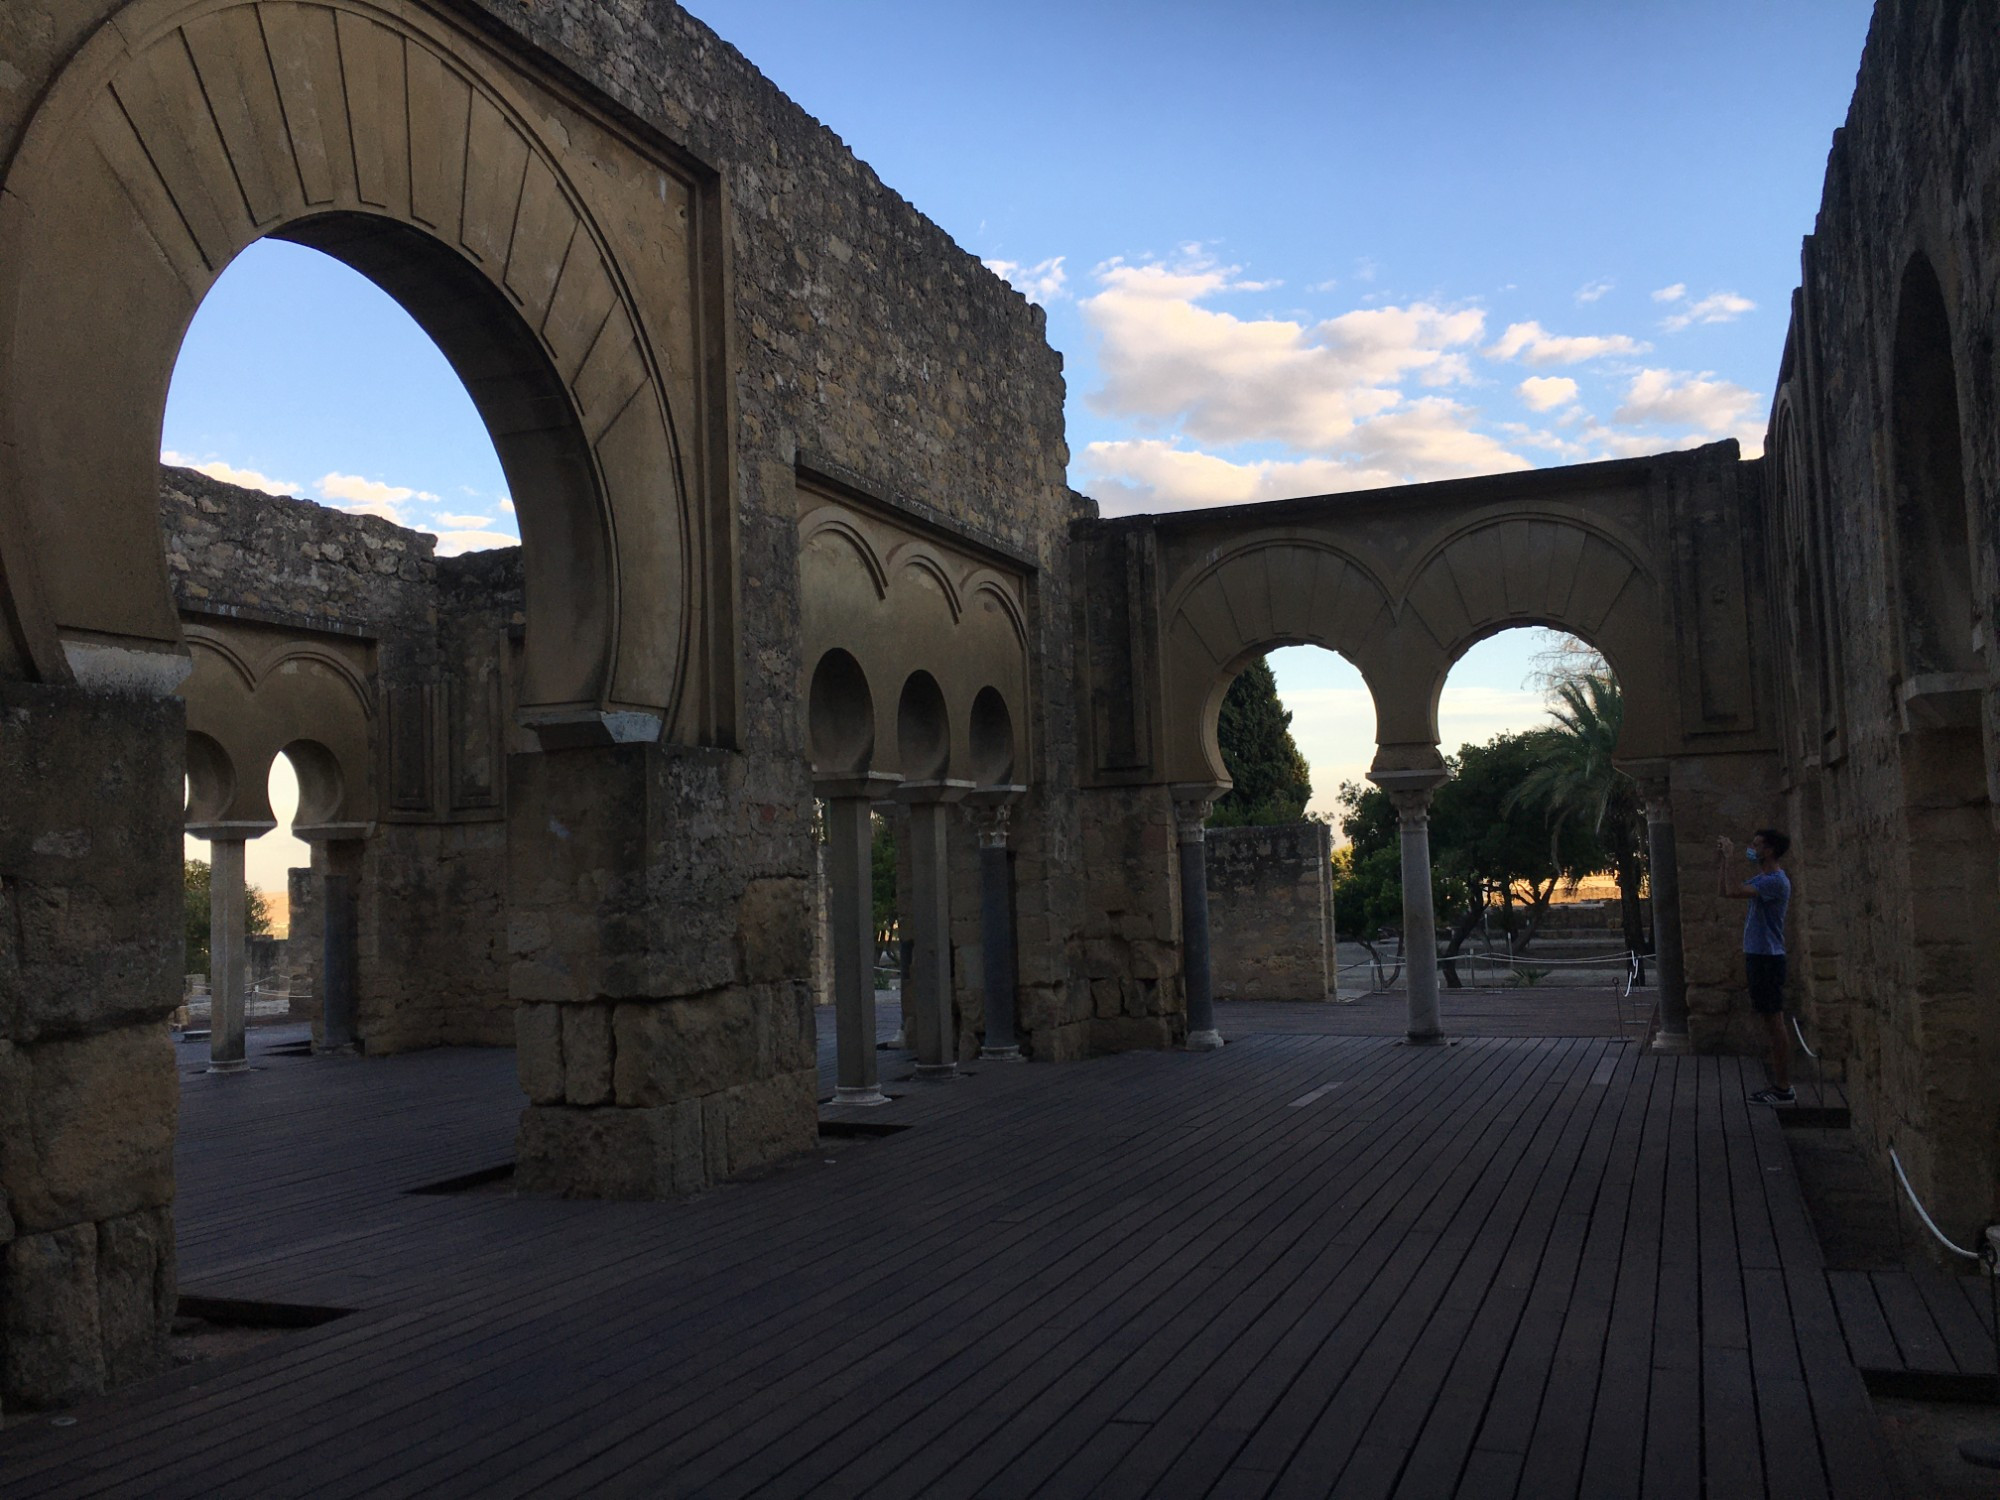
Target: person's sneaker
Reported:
[(1774, 1096)]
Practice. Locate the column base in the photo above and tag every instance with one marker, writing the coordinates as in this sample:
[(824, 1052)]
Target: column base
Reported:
[(1426, 1039), (937, 1072), (1204, 1041), (1000, 1054), (229, 1065), (859, 1098), (336, 1049), (1671, 1044)]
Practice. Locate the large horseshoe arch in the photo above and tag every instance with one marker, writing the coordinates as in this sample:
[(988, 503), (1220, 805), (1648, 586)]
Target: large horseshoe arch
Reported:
[(566, 275)]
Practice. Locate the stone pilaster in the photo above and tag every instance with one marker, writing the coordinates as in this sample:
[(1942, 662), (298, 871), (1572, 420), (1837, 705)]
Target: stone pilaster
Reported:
[(664, 1021), (1663, 876), (90, 965)]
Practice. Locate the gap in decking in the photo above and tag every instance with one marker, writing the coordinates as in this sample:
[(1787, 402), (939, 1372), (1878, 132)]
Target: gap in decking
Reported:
[(849, 1130), (494, 1179), (214, 1328)]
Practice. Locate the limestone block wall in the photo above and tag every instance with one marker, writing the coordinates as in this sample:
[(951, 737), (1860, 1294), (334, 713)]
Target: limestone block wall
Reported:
[(1883, 493), (1270, 912), (90, 968), (665, 1030), (1719, 796), (1133, 994), (866, 343), (237, 551), (431, 894)]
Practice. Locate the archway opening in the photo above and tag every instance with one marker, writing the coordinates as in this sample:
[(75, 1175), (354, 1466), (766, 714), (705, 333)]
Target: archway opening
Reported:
[(1290, 727), (1537, 837), (1952, 989), (840, 715), (337, 506), (992, 739), (1933, 540), (923, 729)]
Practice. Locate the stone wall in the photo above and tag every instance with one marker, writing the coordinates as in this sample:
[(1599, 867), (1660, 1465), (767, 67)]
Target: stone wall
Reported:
[(1882, 503), (90, 968), (441, 633), (1270, 912)]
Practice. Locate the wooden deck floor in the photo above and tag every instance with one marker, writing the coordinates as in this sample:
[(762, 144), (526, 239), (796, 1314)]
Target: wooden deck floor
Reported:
[(1308, 1264)]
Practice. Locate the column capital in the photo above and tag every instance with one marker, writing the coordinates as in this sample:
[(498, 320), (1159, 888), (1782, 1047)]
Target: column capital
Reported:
[(989, 821), (1192, 801), (1654, 783), (1410, 792)]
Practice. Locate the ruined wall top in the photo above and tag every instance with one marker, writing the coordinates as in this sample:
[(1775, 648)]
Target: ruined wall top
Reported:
[(237, 551)]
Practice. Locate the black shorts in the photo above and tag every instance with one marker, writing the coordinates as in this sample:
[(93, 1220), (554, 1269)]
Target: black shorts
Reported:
[(1766, 973)]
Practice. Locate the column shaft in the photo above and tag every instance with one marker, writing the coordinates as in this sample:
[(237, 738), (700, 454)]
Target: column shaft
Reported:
[(996, 942), (227, 958), (929, 979), (1664, 877), (1419, 918), (851, 922), (338, 1005), (1189, 818)]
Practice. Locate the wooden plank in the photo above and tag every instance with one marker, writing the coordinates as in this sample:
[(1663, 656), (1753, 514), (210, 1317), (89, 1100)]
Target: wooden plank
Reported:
[(1910, 1322), (1967, 1335)]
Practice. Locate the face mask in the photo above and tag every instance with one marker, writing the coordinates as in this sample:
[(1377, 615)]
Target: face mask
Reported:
[(1753, 856)]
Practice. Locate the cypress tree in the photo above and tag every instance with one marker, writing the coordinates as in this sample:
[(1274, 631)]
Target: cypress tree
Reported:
[(1272, 780)]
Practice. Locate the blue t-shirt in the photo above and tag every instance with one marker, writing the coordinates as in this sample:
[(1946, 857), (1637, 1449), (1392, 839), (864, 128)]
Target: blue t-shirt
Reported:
[(1764, 923)]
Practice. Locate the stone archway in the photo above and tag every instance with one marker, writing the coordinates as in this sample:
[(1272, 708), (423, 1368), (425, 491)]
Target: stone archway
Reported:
[(184, 130)]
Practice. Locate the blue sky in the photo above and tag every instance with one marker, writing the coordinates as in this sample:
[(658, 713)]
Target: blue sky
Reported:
[(1284, 249)]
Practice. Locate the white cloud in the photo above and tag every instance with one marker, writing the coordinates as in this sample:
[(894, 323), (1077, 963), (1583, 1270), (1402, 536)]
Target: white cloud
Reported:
[(1547, 392), (1149, 474), (1720, 307), (1428, 439), (215, 468), (1535, 345), (452, 543), (1225, 379), (1684, 401), (1042, 282), (1590, 291), (370, 497), (1672, 293), (465, 523), (507, 504)]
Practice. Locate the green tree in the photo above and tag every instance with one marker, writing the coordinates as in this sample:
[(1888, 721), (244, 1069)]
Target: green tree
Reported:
[(195, 913), (1488, 853), (1575, 787), (1272, 782), (882, 872)]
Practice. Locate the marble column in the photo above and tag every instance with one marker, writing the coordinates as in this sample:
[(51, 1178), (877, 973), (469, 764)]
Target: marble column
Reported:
[(850, 834), (928, 982), (990, 808), (1663, 876), (228, 960), (1411, 793), (1191, 805)]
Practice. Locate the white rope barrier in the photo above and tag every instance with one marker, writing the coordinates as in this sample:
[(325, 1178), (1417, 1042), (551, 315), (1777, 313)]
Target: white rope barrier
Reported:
[(1929, 1223), (1802, 1040)]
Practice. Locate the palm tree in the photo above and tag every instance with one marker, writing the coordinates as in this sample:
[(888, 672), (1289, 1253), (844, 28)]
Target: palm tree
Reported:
[(1577, 786)]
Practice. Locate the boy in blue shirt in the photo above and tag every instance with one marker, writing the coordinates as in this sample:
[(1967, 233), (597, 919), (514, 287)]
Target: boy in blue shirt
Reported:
[(1769, 892)]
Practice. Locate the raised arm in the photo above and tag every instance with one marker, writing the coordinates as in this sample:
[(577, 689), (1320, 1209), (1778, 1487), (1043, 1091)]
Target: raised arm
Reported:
[(1744, 889)]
